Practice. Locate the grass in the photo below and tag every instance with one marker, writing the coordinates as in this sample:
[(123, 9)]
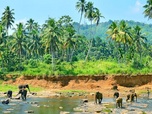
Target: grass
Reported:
[(98, 67), (6, 87), (14, 88)]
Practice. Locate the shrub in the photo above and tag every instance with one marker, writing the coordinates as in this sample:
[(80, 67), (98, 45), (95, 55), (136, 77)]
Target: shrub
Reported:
[(47, 58), (137, 64), (33, 63)]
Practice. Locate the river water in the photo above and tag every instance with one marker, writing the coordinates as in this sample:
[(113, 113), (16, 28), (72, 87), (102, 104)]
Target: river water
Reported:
[(66, 105)]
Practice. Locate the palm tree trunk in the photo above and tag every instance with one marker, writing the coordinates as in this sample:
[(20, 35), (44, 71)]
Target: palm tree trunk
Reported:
[(90, 45), (80, 22), (20, 51), (72, 54), (52, 51)]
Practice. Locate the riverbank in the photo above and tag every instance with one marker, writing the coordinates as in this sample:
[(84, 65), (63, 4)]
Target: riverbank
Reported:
[(91, 84)]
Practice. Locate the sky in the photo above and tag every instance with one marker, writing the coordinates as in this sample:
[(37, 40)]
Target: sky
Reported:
[(41, 10)]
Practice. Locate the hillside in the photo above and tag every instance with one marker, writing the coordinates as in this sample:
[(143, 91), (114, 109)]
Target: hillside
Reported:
[(101, 29)]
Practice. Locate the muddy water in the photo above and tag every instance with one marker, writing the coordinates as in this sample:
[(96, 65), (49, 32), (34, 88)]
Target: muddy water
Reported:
[(62, 105)]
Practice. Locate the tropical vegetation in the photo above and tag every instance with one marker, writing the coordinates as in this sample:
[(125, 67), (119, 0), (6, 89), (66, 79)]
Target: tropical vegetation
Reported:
[(63, 47)]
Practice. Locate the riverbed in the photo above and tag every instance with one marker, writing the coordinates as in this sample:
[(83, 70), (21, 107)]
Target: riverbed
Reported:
[(73, 105)]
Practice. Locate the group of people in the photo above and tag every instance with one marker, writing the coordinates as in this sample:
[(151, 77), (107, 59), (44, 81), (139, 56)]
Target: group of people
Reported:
[(22, 92), (131, 97)]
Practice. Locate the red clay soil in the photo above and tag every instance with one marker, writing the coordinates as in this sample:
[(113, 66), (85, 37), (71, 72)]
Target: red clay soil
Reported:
[(103, 84), (85, 83)]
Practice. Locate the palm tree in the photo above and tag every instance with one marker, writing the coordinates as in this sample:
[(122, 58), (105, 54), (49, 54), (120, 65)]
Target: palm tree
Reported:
[(50, 38), (30, 25), (34, 44), (89, 11), (148, 9), (68, 33), (2, 43), (70, 42), (19, 41), (125, 37), (124, 32), (7, 18), (81, 6), (139, 40), (7, 21), (114, 34), (97, 15), (2, 35), (33, 30), (113, 31)]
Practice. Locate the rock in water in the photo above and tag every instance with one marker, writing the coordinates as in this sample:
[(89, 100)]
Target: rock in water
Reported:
[(29, 111)]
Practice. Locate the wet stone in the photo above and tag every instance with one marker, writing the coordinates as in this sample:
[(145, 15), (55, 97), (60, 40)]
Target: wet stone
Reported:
[(46, 106), (6, 112), (64, 112), (10, 109), (12, 104), (35, 105), (29, 111)]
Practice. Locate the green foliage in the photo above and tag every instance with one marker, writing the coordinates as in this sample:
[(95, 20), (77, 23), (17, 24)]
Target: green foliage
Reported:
[(47, 58), (125, 52), (137, 64), (2, 75), (78, 68), (41, 69), (33, 63), (6, 87)]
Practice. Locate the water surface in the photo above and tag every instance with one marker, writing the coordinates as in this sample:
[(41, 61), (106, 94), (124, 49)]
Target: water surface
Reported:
[(60, 104)]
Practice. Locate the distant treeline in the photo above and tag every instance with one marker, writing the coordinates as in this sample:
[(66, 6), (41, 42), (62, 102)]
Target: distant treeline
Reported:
[(101, 29)]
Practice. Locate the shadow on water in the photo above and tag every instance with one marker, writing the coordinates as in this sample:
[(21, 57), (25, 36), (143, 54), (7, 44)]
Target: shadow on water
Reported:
[(56, 105)]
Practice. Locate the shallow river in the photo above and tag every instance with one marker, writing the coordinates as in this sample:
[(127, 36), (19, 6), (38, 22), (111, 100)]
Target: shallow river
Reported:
[(65, 105)]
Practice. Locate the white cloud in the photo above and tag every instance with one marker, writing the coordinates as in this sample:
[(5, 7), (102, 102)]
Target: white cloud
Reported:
[(21, 21), (137, 7), (24, 20)]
